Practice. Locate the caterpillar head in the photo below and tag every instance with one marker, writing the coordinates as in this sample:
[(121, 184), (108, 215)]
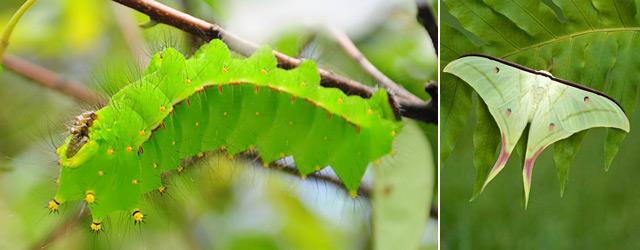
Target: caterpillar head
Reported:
[(78, 147)]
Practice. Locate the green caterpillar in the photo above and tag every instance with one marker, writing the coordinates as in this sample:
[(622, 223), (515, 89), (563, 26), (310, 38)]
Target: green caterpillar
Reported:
[(183, 107)]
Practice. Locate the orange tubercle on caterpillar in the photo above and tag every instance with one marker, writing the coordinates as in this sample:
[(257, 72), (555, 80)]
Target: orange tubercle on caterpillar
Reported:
[(138, 217), (96, 227), (162, 108), (162, 189), (110, 151), (187, 81), (353, 194), (263, 71), (141, 132), (89, 197), (340, 101), (370, 111), (225, 69), (53, 206), (303, 84), (129, 149)]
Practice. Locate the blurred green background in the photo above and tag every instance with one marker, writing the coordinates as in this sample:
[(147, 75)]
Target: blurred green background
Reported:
[(218, 203), (599, 210)]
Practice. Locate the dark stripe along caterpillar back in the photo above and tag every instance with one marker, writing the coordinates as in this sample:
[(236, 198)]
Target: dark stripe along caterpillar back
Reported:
[(183, 107)]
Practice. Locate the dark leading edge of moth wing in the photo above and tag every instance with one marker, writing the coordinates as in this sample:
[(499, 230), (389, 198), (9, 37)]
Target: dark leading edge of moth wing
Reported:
[(533, 71)]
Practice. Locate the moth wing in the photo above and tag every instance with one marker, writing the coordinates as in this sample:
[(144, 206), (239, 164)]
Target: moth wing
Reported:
[(504, 89), (564, 111)]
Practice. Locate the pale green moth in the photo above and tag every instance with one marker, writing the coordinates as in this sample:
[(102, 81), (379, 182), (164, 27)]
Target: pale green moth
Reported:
[(517, 96), (213, 101)]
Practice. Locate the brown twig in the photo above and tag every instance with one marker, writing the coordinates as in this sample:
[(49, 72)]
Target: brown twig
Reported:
[(51, 80), (352, 51), (131, 34), (167, 15), (428, 21)]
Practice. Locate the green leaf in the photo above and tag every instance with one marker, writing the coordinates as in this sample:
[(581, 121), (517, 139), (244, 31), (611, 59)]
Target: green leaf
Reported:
[(486, 139), (564, 153), (402, 191), (591, 43)]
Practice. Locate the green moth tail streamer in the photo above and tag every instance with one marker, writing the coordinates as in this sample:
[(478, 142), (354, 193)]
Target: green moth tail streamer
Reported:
[(213, 102)]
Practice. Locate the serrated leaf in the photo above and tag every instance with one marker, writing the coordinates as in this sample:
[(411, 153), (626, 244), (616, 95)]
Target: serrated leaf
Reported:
[(564, 153), (486, 138)]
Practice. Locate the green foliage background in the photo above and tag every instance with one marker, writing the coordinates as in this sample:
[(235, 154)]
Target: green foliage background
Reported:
[(594, 43), (217, 204)]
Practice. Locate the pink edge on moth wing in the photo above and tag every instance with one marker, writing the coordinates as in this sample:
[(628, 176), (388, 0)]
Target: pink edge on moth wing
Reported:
[(500, 163), (527, 170)]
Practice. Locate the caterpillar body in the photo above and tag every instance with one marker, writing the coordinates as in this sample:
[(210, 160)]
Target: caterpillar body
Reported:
[(213, 101)]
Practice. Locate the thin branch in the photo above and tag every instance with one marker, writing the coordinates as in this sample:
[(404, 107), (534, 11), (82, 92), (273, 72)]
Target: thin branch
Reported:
[(51, 80), (6, 33), (131, 34), (167, 15), (350, 48), (428, 21)]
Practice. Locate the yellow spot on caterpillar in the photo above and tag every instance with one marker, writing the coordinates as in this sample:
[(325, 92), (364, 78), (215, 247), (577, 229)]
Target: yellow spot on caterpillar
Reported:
[(90, 197), (141, 133), (53, 205), (225, 114), (96, 227), (303, 176), (252, 147), (187, 81), (138, 217), (353, 194), (180, 169), (257, 113), (57, 181), (370, 111), (200, 155), (135, 181), (162, 189), (162, 108), (263, 71), (100, 173), (302, 84), (265, 165), (173, 143), (340, 101), (155, 165), (225, 69), (282, 155), (318, 168), (393, 133), (110, 151), (129, 149), (197, 124), (376, 162)]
